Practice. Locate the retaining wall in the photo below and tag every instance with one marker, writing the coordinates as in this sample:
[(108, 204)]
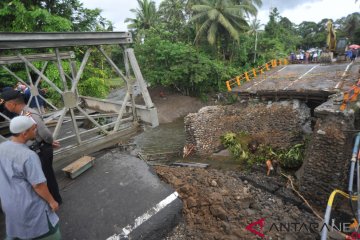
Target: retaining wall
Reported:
[(327, 157), (280, 124)]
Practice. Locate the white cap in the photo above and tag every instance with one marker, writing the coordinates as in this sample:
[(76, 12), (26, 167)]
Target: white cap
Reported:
[(20, 124)]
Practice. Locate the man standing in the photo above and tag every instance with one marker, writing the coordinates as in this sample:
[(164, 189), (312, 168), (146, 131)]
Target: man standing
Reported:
[(26, 201), (44, 143)]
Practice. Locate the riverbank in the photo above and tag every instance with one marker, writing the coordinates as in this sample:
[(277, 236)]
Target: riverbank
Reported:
[(220, 203)]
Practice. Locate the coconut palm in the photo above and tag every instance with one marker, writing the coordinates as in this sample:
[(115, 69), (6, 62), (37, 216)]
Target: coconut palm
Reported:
[(145, 15), (173, 18), (254, 26), (253, 31), (219, 18), (252, 6), (173, 10)]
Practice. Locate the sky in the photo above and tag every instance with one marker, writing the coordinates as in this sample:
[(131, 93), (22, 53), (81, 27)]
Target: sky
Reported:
[(296, 11)]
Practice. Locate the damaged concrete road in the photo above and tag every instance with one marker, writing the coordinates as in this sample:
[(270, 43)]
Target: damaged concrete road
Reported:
[(118, 198)]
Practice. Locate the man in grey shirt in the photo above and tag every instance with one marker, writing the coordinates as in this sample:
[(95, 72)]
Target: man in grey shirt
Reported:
[(14, 102), (26, 201)]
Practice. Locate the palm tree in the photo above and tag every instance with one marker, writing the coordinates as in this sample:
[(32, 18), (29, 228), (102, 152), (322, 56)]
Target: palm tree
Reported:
[(219, 18), (254, 29), (145, 15), (252, 5), (254, 26), (171, 10), (173, 18)]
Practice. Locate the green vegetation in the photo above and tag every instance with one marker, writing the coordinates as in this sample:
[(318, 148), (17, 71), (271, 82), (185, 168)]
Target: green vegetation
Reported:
[(192, 46), (181, 66), (56, 16), (237, 145), (116, 83), (248, 151), (293, 157)]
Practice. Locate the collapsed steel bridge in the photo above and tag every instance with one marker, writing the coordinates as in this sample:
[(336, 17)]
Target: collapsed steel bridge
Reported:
[(110, 121)]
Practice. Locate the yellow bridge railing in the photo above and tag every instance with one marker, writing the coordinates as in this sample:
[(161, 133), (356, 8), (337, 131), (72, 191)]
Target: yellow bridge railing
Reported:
[(247, 76), (350, 95)]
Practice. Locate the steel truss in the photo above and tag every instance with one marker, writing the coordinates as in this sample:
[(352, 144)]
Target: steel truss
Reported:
[(110, 121)]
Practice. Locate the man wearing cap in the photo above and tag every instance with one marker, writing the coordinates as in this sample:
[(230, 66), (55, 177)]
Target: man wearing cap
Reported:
[(44, 143), (4, 112), (26, 201)]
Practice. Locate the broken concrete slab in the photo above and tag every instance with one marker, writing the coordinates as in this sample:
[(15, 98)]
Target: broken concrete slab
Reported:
[(119, 196)]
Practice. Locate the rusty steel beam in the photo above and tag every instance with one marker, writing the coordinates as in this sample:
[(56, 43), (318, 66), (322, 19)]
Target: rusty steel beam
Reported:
[(64, 39)]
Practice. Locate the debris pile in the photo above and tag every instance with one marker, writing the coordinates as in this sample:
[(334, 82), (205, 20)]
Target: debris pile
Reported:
[(222, 205)]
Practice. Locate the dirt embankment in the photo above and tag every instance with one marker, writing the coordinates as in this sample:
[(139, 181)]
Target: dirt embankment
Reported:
[(171, 105)]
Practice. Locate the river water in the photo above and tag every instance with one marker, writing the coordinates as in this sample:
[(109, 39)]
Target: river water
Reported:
[(165, 144), (165, 137)]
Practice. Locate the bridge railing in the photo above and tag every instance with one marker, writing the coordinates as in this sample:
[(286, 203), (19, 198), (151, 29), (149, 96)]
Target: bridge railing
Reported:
[(247, 76), (350, 95)]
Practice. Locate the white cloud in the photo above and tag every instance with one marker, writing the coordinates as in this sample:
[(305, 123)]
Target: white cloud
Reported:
[(313, 11), (295, 10), (319, 10), (115, 10)]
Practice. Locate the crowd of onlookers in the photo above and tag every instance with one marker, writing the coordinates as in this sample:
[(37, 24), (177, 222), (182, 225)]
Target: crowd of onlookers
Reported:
[(314, 54), (311, 55), (29, 192)]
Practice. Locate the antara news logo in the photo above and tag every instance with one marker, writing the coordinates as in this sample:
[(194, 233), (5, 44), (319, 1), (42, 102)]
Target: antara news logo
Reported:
[(257, 228)]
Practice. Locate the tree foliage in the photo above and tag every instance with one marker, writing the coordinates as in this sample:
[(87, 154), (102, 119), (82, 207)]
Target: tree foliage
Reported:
[(15, 16), (188, 36), (173, 17), (191, 45), (349, 27), (50, 16), (218, 18), (279, 37), (181, 66), (145, 18)]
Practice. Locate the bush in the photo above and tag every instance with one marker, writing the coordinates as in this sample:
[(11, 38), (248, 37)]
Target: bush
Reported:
[(181, 66), (94, 87), (293, 157), (238, 145)]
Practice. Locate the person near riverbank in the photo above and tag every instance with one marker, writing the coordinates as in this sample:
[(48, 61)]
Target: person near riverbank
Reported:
[(43, 144), (26, 201)]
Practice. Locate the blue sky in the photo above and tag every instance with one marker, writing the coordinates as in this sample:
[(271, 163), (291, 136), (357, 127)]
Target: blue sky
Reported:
[(295, 10)]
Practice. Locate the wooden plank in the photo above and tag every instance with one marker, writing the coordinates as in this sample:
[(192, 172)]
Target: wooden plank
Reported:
[(78, 167)]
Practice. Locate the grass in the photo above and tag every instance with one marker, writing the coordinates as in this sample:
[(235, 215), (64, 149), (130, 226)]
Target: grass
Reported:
[(116, 82)]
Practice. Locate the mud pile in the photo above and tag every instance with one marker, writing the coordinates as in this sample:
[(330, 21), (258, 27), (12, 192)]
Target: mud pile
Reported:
[(220, 205)]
